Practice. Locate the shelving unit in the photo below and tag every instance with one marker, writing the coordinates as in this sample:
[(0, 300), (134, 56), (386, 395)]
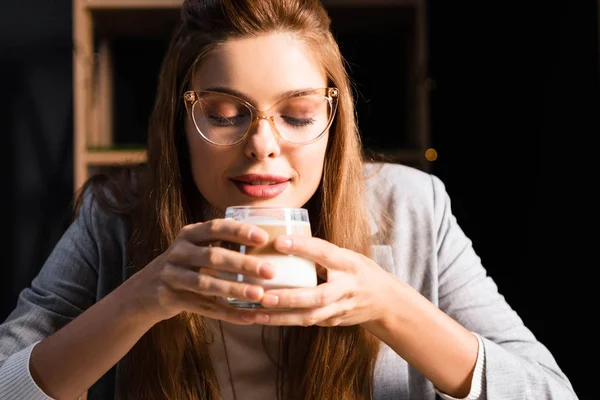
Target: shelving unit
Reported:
[(113, 94), (132, 4)]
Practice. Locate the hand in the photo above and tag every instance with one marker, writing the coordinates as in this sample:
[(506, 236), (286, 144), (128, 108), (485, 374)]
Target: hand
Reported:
[(356, 290), (184, 277)]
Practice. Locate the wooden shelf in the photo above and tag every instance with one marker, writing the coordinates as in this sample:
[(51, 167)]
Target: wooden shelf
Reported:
[(132, 4), (153, 4), (135, 22), (369, 3), (148, 18), (115, 157)]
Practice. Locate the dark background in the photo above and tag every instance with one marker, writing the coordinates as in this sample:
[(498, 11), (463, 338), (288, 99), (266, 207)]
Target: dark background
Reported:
[(514, 119)]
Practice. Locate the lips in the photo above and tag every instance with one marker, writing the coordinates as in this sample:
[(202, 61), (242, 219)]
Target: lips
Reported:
[(261, 186)]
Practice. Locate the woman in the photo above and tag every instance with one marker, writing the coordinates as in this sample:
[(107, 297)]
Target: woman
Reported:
[(127, 305)]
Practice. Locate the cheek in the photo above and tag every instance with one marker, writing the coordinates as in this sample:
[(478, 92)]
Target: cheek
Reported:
[(207, 163), (309, 164), (198, 153)]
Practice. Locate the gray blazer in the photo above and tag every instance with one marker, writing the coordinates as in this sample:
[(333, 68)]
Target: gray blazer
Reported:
[(415, 237)]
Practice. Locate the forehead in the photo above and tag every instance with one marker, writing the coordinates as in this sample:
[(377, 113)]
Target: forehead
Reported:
[(262, 67)]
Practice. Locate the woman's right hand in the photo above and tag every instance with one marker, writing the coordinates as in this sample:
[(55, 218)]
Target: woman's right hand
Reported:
[(183, 278)]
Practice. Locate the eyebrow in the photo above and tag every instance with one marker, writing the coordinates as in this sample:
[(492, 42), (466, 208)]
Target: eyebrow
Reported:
[(248, 98)]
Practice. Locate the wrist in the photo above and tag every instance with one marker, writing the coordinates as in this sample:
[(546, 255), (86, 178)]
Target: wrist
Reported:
[(130, 305), (411, 320), (394, 293)]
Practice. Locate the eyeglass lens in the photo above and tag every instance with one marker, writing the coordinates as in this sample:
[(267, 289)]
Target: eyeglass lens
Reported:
[(225, 120)]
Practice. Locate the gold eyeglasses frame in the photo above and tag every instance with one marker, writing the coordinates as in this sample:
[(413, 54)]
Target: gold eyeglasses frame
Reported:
[(191, 97)]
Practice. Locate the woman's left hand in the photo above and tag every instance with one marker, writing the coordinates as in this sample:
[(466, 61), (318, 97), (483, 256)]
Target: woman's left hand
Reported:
[(356, 291)]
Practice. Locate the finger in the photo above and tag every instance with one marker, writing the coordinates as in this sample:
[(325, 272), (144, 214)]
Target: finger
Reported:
[(188, 254), (203, 282), (224, 229), (320, 296), (300, 317), (212, 308), (326, 254)]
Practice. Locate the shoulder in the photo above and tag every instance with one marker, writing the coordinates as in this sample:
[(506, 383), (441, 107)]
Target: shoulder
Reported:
[(100, 233), (396, 183), (105, 204), (404, 199)]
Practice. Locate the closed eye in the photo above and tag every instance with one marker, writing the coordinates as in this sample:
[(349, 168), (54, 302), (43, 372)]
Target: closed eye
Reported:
[(227, 121), (298, 122)]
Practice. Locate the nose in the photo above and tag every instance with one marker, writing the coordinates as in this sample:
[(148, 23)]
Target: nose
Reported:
[(262, 141)]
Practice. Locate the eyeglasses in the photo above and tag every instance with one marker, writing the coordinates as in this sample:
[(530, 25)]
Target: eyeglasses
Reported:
[(225, 120)]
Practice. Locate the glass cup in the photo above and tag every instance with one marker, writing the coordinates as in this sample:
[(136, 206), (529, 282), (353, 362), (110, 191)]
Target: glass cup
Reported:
[(290, 271)]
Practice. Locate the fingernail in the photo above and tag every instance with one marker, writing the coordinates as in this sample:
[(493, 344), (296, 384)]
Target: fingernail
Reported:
[(270, 300), (261, 318), (285, 244), (247, 318), (254, 293), (257, 236), (266, 270)]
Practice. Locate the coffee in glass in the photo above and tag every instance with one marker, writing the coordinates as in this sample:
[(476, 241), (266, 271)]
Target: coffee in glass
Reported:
[(290, 271)]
